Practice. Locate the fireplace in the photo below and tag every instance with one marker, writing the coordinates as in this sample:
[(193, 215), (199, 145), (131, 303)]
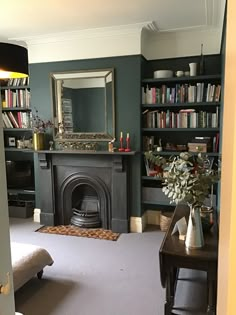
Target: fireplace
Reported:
[(86, 189)]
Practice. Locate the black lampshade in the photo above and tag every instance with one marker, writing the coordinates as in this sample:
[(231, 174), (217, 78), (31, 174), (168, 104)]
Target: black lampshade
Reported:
[(13, 61)]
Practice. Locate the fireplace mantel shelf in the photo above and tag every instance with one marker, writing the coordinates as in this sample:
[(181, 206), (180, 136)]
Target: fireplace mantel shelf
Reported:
[(85, 152)]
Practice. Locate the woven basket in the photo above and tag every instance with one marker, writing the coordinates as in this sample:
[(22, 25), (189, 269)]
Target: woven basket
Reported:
[(165, 219)]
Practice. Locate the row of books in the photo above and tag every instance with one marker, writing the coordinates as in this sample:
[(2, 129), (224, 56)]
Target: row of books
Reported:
[(185, 118), (181, 93), (150, 142), (18, 81), (17, 120), (16, 98)]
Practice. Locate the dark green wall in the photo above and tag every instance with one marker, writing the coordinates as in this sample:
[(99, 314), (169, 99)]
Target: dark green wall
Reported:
[(127, 99)]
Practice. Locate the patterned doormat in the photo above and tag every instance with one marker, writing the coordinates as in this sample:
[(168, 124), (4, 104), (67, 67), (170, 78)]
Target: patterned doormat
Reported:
[(73, 230)]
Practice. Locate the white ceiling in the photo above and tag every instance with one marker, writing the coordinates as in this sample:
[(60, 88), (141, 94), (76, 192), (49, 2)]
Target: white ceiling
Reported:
[(20, 19)]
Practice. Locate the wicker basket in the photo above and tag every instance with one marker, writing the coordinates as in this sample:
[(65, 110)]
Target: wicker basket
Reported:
[(165, 219)]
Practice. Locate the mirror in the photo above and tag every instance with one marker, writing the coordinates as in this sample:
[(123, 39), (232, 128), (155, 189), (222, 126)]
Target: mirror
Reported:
[(83, 105)]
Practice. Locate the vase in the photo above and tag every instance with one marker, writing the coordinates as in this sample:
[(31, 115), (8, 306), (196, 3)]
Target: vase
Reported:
[(194, 236), (38, 141)]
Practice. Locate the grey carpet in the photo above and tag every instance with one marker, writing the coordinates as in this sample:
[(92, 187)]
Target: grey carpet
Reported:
[(100, 277)]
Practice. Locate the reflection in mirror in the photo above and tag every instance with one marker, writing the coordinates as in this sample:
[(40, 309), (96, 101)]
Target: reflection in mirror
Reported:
[(83, 105)]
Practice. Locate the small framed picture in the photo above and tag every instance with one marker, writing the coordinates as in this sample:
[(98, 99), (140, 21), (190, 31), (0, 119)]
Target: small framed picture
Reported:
[(11, 142)]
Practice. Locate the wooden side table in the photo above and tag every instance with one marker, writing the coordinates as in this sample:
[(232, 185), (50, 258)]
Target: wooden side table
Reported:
[(174, 255)]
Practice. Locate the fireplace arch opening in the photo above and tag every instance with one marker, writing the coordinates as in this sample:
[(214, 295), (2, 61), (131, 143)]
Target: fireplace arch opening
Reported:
[(85, 201), (85, 207)]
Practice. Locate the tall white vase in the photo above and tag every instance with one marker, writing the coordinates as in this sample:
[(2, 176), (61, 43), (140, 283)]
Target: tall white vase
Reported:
[(194, 236)]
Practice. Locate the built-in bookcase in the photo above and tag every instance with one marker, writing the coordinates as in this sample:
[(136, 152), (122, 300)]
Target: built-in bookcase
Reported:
[(16, 116), (176, 113)]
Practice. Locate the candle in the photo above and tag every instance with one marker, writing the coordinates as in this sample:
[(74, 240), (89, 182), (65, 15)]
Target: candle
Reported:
[(127, 136), (121, 134)]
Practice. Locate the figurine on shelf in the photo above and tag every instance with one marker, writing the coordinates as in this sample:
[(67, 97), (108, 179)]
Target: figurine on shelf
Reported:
[(121, 149), (159, 147), (127, 143), (111, 145), (51, 145)]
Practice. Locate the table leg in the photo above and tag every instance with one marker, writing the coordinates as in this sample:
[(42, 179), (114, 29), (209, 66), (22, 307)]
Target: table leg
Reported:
[(211, 298), (170, 291)]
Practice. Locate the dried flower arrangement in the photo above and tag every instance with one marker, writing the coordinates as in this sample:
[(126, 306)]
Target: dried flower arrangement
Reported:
[(38, 124)]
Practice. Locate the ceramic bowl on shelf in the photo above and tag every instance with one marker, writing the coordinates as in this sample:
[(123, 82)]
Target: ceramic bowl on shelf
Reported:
[(163, 74)]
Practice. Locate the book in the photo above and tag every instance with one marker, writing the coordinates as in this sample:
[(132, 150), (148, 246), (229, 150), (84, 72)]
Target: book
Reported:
[(217, 93), (19, 119), (8, 122), (5, 123), (13, 120)]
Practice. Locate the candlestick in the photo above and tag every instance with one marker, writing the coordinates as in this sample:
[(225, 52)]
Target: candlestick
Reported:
[(127, 143), (121, 149)]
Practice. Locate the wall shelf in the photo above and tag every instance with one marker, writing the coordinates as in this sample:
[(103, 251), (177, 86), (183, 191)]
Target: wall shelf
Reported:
[(180, 105), (19, 150), (14, 87), (152, 178), (203, 78), (21, 191), (169, 153), (18, 129), (17, 109), (180, 129)]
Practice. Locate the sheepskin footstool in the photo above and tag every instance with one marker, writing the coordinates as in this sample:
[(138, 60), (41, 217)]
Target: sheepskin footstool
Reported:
[(27, 261)]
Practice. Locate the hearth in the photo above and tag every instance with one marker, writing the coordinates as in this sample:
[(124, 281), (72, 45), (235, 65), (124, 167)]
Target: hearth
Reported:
[(85, 189)]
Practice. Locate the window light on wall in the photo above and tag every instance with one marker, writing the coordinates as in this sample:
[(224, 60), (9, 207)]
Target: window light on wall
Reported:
[(13, 61)]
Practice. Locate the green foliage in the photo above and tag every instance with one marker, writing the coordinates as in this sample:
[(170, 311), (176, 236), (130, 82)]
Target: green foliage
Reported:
[(188, 179), (155, 159)]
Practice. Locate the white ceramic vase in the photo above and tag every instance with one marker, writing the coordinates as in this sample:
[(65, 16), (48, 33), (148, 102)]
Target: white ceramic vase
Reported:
[(194, 236)]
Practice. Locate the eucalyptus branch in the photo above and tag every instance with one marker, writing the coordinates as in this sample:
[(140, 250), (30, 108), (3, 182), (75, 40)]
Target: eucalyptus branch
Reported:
[(188, 180)]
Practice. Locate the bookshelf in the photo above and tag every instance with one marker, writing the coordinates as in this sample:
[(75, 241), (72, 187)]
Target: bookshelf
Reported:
[(177, 112), (16, 116), (16, 113)]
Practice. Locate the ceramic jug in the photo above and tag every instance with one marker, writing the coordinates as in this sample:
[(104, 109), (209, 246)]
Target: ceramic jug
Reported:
[(193, 69)]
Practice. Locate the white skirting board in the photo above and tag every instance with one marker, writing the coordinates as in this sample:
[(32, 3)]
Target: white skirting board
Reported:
[(37, 215), (137, 224)]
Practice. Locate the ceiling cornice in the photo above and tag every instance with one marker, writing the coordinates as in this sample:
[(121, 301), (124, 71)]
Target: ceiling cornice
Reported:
[(90, 33)]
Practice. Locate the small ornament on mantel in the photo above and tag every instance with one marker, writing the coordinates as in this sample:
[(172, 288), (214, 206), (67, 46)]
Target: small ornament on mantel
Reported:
[(121, 149), (202, 62), (127, 143)]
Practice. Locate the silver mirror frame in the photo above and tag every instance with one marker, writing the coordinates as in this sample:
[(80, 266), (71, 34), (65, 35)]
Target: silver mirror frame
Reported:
[(58, 134)]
